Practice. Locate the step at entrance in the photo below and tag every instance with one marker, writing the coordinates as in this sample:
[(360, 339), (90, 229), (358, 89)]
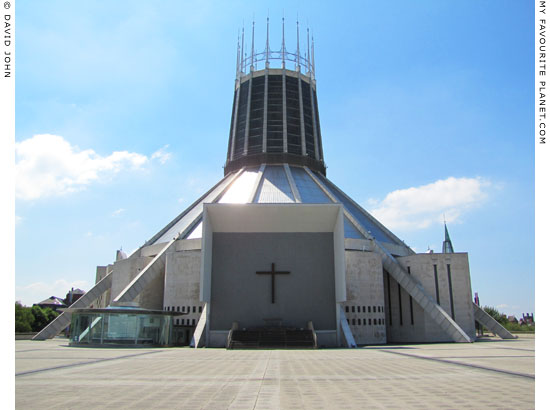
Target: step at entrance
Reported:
[(272, 338)]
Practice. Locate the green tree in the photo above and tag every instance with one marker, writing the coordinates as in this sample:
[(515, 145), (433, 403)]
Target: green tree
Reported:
[(499, 317), (52, 314), (42, 317), (24, 318), (516, 327)]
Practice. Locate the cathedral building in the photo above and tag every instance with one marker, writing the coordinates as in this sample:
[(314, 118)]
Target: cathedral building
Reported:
[(275, 254)]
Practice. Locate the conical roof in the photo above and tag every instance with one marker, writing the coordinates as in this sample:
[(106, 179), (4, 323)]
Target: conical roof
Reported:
[(280, 183)]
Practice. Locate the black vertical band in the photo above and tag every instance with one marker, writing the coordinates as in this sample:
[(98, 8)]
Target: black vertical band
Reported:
[(436, 284), (410, 299), (389, 296), (400, 307), (451, 291)]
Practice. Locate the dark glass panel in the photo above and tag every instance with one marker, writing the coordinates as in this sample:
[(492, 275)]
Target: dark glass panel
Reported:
[(308, 121), (256, 126), (241, 120), (294, 138), (318, 126), (275, 113)]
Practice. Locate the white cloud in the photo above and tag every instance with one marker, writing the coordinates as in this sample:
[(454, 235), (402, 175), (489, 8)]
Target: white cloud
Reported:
[(161, 155), (118, 212), (38, 291), (48, 165), (18, 219), (420, 207)]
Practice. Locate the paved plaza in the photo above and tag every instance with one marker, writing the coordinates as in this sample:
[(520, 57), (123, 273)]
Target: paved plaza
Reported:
[(487, 374)]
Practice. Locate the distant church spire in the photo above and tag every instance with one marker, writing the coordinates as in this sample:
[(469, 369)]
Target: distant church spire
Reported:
[(447, 244)]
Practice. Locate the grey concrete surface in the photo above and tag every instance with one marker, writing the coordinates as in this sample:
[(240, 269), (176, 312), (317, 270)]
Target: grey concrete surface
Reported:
[(486, 374)]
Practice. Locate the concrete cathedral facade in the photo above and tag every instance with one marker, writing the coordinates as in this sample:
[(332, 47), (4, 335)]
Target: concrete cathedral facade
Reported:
[(277, 245)]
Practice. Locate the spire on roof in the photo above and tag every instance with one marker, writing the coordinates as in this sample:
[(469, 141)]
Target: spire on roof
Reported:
[(252, 49), (297, 44), (242, 51), (267, 45), (447, 244), (308, 56), (283, 51), (238, 53)]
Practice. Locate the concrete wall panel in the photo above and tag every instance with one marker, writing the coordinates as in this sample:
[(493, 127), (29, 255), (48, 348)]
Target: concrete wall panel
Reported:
[(365, 297), (240, 295)]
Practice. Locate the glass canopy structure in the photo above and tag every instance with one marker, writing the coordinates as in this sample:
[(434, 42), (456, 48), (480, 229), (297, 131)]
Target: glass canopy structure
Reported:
[(123, 326)]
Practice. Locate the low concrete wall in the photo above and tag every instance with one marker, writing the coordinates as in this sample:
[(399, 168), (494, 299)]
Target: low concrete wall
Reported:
[(218, 338), (25, 336), (327, 338)]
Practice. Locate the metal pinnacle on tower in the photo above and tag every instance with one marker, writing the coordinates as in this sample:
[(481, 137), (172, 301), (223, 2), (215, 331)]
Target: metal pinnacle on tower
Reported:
[(283, 51), (252, 50), (238, 55), (267, 46), (313, 55), (253, 61), (297, 45), (242, 51), (308, 60)]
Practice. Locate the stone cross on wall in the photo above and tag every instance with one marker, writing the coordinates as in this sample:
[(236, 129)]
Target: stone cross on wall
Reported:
[(273, 272)]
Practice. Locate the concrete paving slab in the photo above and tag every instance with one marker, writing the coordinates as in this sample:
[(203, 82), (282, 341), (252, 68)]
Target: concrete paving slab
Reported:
[(488, 374)]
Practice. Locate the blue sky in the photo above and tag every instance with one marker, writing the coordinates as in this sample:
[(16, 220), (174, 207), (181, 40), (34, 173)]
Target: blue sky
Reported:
[(123, 111)]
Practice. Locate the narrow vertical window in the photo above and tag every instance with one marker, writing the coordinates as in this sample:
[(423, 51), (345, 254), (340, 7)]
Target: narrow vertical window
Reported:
[(389, 297), (411, 307), (436, 284), (353, 309), (411, 299), (451, 291), (400, 307)]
